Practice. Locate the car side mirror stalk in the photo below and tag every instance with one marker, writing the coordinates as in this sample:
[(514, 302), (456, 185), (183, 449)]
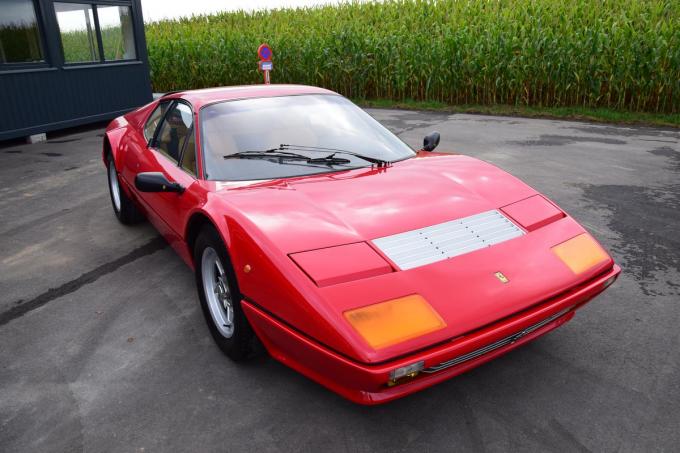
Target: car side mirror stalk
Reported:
[(156, 182), (431, 141)]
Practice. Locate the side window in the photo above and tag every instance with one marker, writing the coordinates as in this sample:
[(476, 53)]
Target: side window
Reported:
[(189, 156), (118, 38), (175, 130), (78, 34), (19, 33), (92, 33), (154, 119)]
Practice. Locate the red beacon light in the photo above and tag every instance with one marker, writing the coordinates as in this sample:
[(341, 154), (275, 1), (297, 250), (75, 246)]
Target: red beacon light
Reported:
[(265, 65)]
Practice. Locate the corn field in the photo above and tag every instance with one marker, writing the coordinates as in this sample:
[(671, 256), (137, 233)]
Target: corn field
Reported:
[(620, 54)]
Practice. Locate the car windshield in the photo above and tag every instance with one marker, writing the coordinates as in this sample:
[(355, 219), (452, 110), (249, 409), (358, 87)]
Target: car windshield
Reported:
[(314, 126)]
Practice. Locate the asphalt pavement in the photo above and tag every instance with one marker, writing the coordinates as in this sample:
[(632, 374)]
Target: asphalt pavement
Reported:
[(103, 346)]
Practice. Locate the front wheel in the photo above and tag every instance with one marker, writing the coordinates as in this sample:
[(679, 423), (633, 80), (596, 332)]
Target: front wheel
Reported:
[(220, 297)]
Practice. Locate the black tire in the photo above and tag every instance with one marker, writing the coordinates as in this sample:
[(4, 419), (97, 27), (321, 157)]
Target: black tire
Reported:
[(242, 343), (126, 211)]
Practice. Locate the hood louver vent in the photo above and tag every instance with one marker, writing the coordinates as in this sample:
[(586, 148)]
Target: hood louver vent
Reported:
[(447, 240)]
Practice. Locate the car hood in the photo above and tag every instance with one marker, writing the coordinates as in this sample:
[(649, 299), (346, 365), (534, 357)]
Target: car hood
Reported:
[(304, 214), (325, 210)]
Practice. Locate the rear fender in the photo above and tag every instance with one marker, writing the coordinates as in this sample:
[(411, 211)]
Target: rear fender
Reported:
[(112, 143)]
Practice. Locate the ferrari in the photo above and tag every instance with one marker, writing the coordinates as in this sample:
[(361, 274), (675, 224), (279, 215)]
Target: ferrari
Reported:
[(369, 267)]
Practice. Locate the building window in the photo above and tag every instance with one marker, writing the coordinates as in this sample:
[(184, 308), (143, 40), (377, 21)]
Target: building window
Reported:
[(19, 33), (78, 32), (95, 33), (118, 38)]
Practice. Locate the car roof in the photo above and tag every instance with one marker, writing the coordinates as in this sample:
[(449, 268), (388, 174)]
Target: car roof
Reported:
[(199, 98)]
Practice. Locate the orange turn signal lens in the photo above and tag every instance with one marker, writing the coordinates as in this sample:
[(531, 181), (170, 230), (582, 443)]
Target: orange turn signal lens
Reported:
[(393, 321), (580, 253)]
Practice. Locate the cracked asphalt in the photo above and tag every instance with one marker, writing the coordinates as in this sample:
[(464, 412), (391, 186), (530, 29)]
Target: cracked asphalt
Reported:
[(103, 346)]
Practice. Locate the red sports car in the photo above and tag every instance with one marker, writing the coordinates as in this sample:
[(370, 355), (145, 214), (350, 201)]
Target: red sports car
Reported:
[(371, 268)]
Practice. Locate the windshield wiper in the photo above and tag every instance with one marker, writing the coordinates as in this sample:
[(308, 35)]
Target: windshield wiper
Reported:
[(274, 153), (329, 160), (373, 160), (269, 153)]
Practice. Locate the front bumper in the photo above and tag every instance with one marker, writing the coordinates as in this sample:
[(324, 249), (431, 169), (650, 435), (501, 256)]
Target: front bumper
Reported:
[(367, 383)]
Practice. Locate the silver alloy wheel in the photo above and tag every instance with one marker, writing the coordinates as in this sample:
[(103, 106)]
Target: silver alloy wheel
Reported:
[(115, 188), (217, 294)]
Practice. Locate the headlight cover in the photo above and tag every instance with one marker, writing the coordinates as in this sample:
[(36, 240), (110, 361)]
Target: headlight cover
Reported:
[(533, 213), (342, 263), (394, 321)]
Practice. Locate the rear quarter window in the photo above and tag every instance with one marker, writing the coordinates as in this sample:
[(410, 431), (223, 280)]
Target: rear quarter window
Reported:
[(154, 119)]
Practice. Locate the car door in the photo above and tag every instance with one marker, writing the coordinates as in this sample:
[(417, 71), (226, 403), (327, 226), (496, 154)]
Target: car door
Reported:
[(170, 151)]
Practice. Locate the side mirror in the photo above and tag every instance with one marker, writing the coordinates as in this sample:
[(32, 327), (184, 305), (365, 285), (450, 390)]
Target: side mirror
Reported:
[(431, 141), (156, 182)]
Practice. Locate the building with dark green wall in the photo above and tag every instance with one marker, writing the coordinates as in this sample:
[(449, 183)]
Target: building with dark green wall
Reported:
[(68, 63)]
